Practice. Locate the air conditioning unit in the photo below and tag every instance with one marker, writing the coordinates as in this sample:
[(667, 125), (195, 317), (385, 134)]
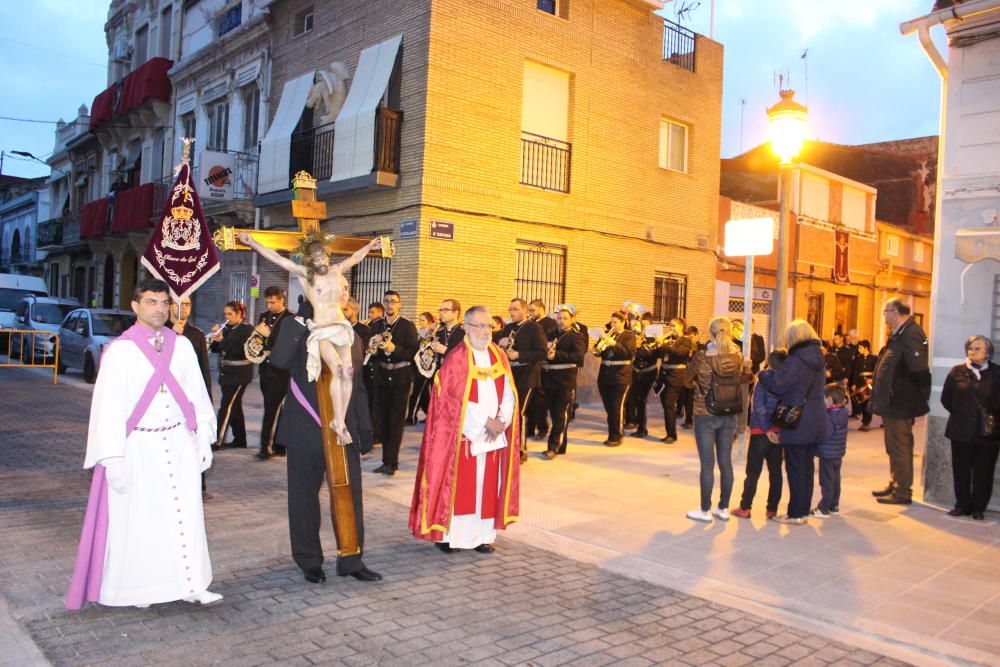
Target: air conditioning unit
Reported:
[(121, 51)]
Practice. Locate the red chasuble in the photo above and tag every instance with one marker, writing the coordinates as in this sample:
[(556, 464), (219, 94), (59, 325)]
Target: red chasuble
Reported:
[(446, 474)]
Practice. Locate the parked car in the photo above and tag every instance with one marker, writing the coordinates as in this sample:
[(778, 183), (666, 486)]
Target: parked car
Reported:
[(13, 288), (85, 332), (43, 314)]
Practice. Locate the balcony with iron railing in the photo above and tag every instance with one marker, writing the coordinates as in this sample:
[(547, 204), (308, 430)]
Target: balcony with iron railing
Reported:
[(312, 150), (545, 162), (242, 180), (679, 45), (61, 231)]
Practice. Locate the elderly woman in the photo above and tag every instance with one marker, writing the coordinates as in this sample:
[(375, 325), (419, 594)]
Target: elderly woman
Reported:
[(717, 376), (800, 382), (970, 396)]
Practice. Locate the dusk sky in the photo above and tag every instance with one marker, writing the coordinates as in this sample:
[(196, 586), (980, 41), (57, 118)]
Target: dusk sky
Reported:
[(866, 82)]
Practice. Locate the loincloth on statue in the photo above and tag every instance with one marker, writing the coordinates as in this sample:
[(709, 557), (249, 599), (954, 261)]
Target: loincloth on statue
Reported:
[(339, 333)]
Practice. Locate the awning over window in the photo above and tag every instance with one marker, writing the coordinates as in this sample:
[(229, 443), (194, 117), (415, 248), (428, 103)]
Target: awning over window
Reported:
[(354, 137), (275, 148), (133, 209), (94, 218), (103, 107), (148, 81)]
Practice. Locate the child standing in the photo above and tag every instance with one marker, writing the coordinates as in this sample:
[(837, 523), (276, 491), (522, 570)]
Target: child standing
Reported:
[(831, 450), (764, 446)]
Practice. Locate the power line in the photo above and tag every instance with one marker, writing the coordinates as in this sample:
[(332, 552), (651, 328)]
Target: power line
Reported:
[(56, 122), (55, 53)]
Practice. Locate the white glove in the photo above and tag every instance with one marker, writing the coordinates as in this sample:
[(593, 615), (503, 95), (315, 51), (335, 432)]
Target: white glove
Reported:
[(116, 472)]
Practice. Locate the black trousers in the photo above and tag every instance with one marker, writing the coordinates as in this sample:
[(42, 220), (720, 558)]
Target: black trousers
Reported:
[(759, 451), (525, 398), (306, 471), (420, 398), (613, 396), (537, 416), (972, 465), (829, 483), (637, 397), (669, 399), (231, 414), (273, 390), (393, 398), (372, 387), (687, 402), (801, 469), (559, 402)]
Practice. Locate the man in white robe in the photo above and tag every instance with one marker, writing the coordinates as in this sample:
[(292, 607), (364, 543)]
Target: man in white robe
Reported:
[(152, 426)]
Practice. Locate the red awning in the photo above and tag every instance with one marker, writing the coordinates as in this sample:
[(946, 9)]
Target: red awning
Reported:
[(94, 219), (149, 81), (133, 209), (103, 108)]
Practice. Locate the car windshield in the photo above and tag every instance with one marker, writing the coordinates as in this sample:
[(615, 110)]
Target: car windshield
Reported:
[(9, 298), (108, 324), (50, 313)]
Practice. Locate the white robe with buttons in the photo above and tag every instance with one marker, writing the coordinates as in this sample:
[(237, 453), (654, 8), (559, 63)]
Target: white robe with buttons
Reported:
[(156, 547)]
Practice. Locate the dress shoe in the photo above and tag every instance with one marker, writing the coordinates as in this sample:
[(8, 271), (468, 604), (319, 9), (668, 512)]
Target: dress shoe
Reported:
[(958, 511), (237, 444), (389, 471), (894, 500), (485, 549), (612, 443), (668, 440), (382, 469), (314, 575), (524, 457), (641, 433), (205, 599), (887, 491), (864, 427), (687, 425), (364, 574), (548, 454), (542, 435), (978, 516), (792, 521), (263, 455), (278, 451), (629, 425), (445, 547)]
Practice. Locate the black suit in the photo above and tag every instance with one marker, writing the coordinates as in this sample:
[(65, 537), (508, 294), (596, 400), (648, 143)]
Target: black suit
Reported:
[(675, 353), (529, 343), (273, 383), (394, 382), (560, 384), (614, 379), (235, 373), (643, 376), (538, 410), (300, 433)]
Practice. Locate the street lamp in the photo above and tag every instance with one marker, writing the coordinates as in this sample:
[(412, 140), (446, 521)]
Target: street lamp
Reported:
[(32, 156), (786, 131)]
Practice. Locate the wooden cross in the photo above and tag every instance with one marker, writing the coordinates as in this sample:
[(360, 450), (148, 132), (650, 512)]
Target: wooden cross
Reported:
[(309, 213)]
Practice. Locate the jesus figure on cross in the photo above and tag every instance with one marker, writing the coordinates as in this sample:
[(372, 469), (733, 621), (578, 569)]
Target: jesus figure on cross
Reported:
[(330, 334)]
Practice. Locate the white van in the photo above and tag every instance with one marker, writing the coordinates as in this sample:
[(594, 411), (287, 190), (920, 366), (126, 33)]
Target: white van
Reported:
[(13, 288)]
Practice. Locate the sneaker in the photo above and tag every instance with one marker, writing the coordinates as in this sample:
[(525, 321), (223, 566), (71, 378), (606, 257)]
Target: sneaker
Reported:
[(721, 513), (741, 513), (833, 511), (700, 515), (796, 521), (819, 514), (771, 516)]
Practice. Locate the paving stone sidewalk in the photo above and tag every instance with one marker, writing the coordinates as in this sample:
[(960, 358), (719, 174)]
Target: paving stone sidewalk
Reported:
[(521, 605)]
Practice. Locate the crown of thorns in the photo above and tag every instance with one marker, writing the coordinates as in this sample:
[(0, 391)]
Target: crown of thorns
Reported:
[(315, 236)]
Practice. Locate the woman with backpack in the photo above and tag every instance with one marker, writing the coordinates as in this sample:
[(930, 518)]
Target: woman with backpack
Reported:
[(799, 386), (716, 376)]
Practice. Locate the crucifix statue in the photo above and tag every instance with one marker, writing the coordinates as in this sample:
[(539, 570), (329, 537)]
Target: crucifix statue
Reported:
[(330, 336)]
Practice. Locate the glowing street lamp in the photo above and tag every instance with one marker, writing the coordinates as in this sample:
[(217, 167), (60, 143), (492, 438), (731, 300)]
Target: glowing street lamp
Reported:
[(786, 130)]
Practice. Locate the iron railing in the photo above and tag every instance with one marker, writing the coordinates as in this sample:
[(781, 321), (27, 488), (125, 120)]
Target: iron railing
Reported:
[(50, 232), (370, 278), (540, 272), (679, 45), (244, 180), (312, 150), (545, 162), (669, 296)]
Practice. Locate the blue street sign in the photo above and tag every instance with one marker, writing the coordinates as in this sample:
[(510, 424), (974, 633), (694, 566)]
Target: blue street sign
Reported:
[(408, 229)]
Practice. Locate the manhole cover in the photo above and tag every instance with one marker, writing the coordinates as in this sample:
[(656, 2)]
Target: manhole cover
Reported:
[(872, 516)]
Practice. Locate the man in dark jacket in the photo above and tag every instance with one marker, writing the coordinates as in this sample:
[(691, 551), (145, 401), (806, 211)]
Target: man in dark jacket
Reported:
[(298, 429), (559, 374), (900, 391), (523, 340), (675, 351), (273, 381), (615, 375)]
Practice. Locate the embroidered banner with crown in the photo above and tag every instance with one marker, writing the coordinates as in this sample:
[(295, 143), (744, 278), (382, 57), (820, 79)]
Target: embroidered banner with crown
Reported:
[(180, 251)]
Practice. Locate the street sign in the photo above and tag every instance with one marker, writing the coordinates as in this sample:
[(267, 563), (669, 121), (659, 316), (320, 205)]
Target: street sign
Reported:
[(408, 229), (442, 230)]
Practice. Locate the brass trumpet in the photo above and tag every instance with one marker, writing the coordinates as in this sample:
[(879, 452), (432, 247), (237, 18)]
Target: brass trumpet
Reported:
[(376, 343), (606, 342)]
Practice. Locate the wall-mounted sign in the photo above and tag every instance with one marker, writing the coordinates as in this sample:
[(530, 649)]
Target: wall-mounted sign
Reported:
[(215, 175), (442, 230), (408, 229)]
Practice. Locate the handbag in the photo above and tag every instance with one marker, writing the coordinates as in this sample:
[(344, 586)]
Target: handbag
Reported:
[(787, 416), (987, 419)]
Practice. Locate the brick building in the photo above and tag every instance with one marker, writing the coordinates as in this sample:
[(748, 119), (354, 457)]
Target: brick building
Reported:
[(567, 151)]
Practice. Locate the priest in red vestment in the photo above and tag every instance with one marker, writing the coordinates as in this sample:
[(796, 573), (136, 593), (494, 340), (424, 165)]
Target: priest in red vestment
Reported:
[(468, 475)]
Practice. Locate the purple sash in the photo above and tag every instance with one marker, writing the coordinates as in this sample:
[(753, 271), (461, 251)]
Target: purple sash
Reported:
[(300, 397), (88, 572)]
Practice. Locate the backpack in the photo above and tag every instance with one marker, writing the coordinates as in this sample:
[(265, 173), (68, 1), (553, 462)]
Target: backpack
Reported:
[(724, 395)]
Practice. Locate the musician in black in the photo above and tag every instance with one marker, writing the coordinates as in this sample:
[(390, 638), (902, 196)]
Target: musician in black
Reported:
[(235, 373), (614, 378), (351, 310), (273, 380), (393, 362), (687, 393), (451, 332), (375, 313), (537, 422), (581, 329), (523, 340), (180, 312), (863, 372), (559, 372), (423, 361), (675, 352), (643, 375)]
